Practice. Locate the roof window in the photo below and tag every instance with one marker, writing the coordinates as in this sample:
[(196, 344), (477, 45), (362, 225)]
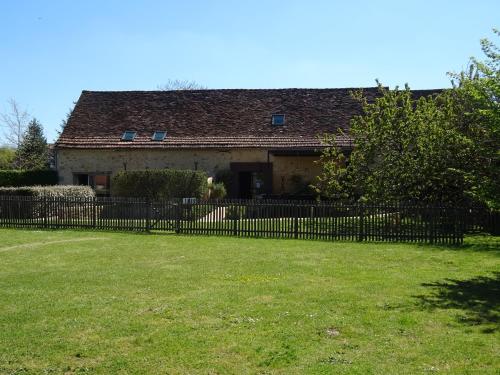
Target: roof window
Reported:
[(159, 136), (278, 119), (129, 136)]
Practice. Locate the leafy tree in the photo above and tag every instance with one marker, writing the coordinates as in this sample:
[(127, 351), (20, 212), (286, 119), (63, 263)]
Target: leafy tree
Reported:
[(32, 154), (334, 181), (476, 112), (7, 155), (441, 148), (405, 149)]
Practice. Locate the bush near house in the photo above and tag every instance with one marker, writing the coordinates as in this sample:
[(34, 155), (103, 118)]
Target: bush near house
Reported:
[(226, 177), (27, 178), (217, 190), (160, 184), (44, 208)]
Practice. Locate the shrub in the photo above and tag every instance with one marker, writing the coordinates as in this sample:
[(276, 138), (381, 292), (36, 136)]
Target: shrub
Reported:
[(217, 190), (160, 184), (42, 208), (49, 191), (7, 157), (226, 176), (28, 178)]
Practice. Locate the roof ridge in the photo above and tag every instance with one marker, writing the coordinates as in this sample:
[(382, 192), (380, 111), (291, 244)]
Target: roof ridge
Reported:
[(237, 89), (254, 89)]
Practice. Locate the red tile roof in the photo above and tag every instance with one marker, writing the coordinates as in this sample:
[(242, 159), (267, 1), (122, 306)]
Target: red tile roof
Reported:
[(211, 118)]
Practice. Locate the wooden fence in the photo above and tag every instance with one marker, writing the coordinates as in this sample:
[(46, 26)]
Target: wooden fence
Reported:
[(481, 220), (245, 218)]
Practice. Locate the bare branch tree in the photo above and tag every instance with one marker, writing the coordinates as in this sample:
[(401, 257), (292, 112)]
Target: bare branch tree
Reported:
[(15, 123), (181, 84)]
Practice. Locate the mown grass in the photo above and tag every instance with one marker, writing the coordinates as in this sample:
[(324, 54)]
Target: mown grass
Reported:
[(96, 302)]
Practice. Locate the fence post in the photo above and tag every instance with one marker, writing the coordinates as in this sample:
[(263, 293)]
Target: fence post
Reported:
[(460, 215), (235, 221), (44, 212), (361, 222), (296, 223), (148, 215), (94, 212), (431, 222), (178, 213)]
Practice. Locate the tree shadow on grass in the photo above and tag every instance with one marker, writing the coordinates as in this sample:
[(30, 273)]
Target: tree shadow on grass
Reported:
[(479, 243), (478, 298)]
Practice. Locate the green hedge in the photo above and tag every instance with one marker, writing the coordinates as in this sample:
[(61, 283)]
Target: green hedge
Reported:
[(49, 191), (28, 178), (160, 184), (39, 208)]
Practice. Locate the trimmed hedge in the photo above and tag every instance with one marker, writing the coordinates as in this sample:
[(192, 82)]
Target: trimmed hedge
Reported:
[(40, 208), (160, 184), (70, 191), (28, 178)]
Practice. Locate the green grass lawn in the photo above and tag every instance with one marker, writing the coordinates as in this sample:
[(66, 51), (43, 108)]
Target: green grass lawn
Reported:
[(97, 302)]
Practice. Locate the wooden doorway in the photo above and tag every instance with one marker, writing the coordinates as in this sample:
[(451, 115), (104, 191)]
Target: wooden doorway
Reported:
[(252, 180)]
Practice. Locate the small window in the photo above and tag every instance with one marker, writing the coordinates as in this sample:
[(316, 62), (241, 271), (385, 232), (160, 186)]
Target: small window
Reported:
[(159, 136), (81, 179), (278, 119), (128, 136), (100, 182)]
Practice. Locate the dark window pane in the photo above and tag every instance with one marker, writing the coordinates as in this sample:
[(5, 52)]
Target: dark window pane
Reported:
[(159, 136), (101, 182), (81, 179), (278, 119), (128, 136)]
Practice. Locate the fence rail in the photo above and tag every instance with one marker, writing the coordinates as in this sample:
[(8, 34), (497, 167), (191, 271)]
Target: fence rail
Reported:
[(246, 218)]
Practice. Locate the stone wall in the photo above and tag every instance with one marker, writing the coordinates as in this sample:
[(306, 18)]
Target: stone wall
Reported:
[(285, 168)]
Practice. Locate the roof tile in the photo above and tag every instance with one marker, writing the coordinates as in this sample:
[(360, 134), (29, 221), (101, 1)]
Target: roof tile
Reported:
[(211, 118)]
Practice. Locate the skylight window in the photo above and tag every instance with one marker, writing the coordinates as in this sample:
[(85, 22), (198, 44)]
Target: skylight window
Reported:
[(128, 136), (159, 136), (278, 120)]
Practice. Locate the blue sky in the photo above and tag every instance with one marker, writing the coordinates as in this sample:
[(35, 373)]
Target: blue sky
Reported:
[(52, 50)]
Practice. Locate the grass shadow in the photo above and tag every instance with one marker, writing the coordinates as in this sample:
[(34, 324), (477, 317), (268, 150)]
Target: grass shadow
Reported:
[(478, 298), (476, 242)]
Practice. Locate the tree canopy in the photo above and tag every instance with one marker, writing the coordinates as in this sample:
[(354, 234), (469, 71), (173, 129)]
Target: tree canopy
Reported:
[(441, 148), (32, 153), (7, 155)]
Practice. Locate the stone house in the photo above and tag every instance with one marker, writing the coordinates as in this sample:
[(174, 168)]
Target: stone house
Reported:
[(267, 141)]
